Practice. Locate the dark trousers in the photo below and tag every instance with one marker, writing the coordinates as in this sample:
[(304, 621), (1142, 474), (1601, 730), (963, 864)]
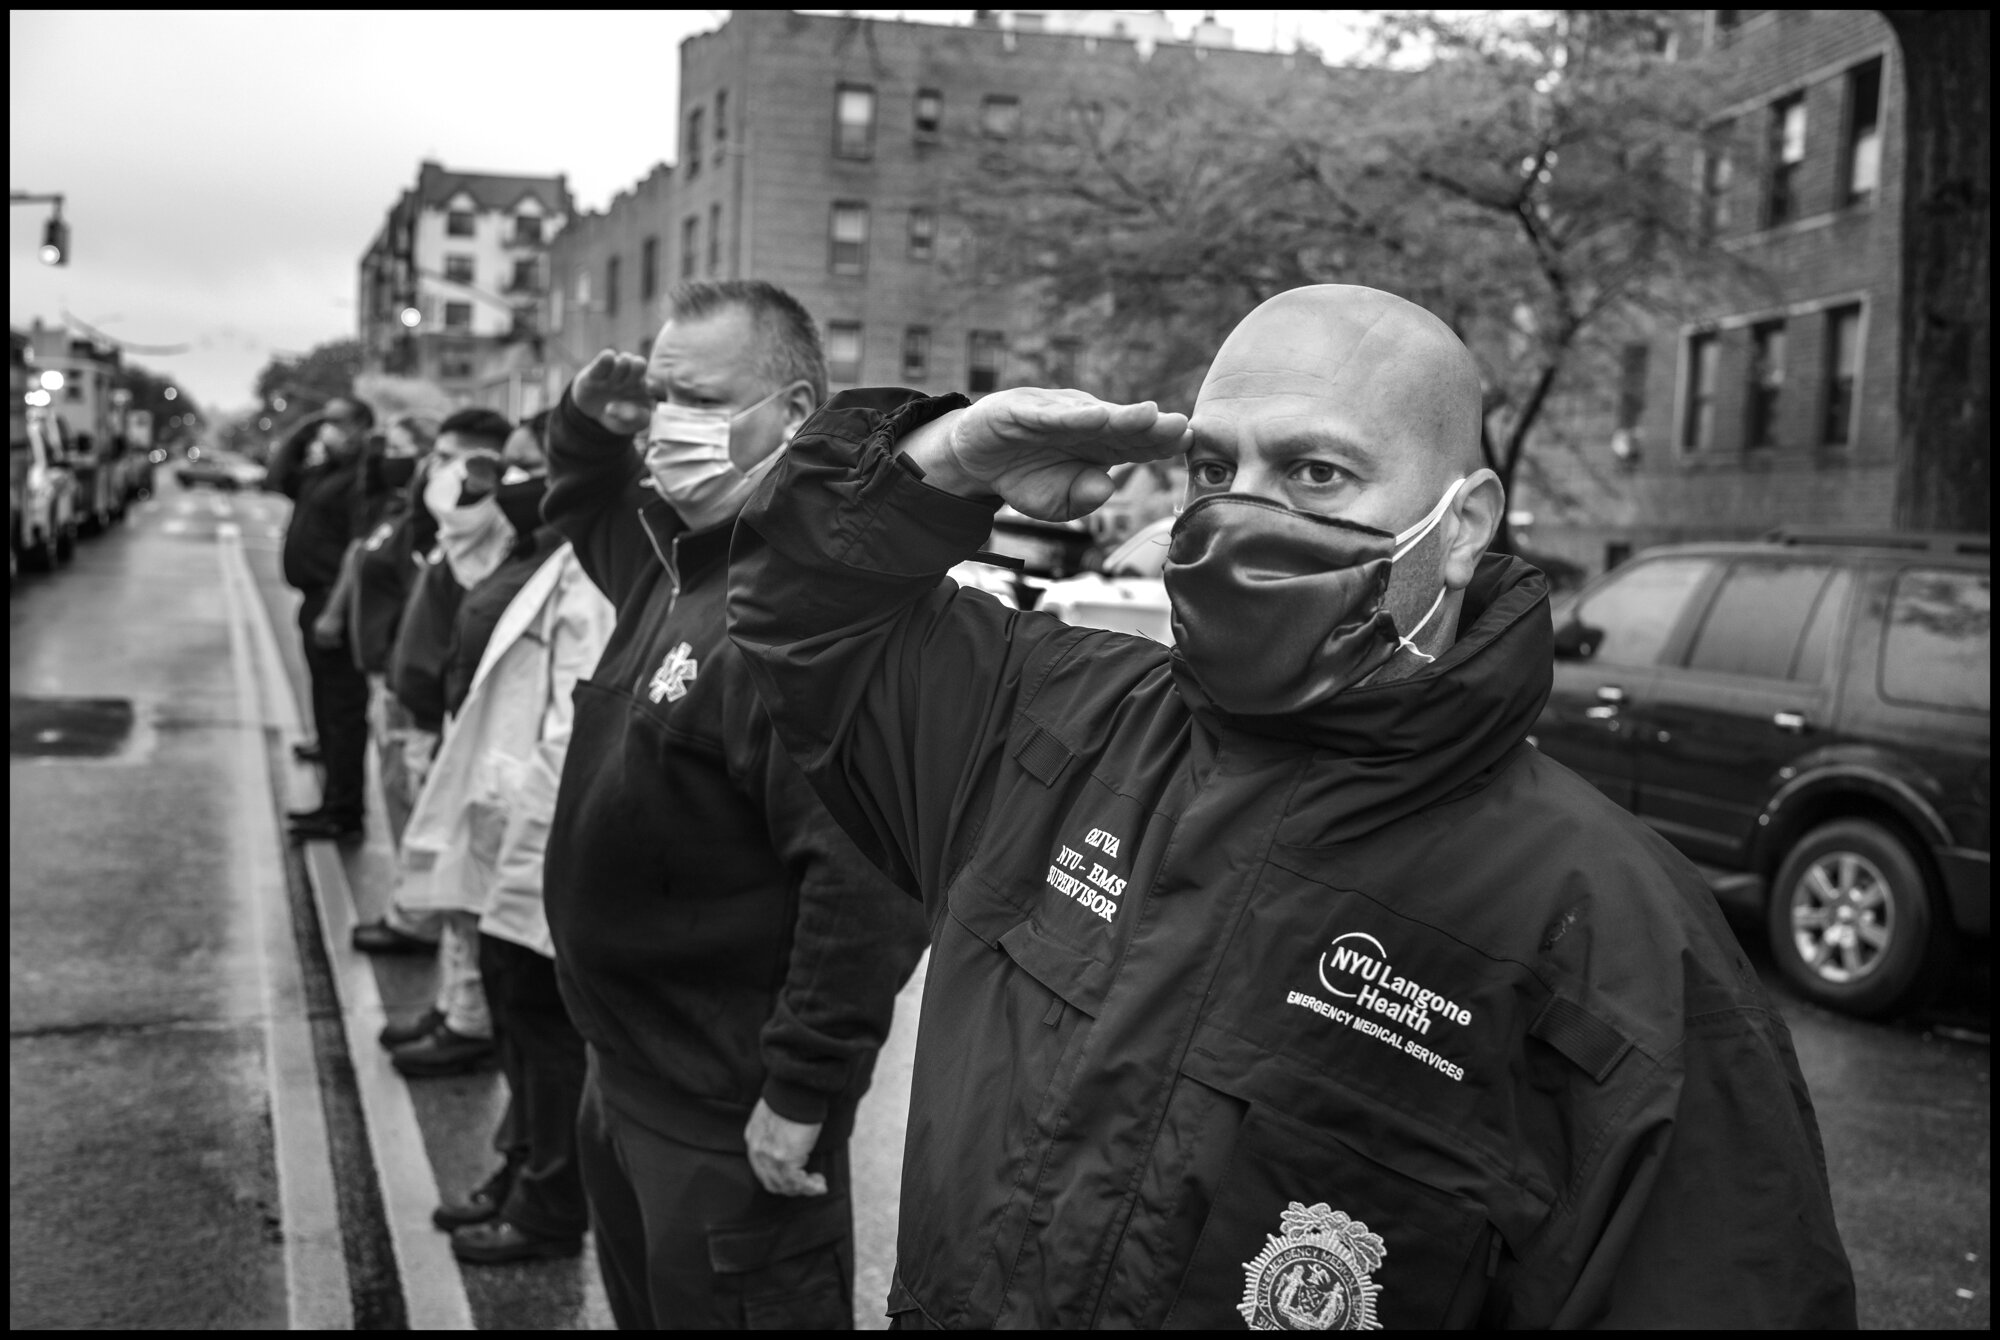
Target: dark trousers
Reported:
[(542, 1056), (340, 713), (687, 1239)]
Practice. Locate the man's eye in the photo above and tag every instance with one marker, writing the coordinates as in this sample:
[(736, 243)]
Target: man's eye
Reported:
[(1212, 474), (1319, 472)]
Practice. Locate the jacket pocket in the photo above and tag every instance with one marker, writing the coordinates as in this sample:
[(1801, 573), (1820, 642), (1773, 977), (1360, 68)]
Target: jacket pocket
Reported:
[(789, 1272), (1305, 1232)]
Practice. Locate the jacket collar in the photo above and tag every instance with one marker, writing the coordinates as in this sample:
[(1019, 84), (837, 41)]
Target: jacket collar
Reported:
[(1383, 751)]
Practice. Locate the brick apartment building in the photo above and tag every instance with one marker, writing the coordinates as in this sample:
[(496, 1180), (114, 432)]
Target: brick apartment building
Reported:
[(1782, 411), (452, 285), (815, 152)]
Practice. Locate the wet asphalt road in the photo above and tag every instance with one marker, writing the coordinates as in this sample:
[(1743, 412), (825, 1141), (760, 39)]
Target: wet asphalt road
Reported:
[(154, 1048)]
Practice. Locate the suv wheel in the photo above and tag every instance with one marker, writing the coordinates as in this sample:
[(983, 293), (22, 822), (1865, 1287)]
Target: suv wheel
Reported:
[(1851, 920)]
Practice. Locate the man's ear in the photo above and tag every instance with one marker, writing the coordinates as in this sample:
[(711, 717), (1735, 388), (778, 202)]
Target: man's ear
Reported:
[(799, 404), (1476, 513)]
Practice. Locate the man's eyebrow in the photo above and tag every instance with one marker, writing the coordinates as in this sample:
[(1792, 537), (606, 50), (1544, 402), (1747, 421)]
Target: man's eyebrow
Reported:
[(1314, 438)]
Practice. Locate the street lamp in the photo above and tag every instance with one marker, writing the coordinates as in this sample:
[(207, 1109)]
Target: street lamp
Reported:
[(52, 380), (410, 317)]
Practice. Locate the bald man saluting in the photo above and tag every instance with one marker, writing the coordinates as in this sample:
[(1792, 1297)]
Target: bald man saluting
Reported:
[(1277, 980)]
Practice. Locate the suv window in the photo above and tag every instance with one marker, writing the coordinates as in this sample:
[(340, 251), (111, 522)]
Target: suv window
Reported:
[(1754, 622), (1629, 619), (1938, 645)]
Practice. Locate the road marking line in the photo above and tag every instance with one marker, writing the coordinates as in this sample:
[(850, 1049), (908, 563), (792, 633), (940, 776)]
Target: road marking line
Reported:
[(433, 1289), (318, 1295)]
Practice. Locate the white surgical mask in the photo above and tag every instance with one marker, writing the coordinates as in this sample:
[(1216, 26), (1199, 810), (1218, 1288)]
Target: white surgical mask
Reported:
[(475, 537), (687, 455)]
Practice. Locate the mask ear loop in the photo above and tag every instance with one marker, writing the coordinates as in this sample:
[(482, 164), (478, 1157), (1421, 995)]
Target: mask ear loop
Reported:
[(1409, 540)]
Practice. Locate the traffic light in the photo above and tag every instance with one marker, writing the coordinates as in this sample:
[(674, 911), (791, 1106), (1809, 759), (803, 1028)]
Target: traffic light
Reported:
[(55, 243)]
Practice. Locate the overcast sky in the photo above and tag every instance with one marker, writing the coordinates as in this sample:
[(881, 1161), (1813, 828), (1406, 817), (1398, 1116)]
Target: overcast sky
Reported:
[(225, 171)]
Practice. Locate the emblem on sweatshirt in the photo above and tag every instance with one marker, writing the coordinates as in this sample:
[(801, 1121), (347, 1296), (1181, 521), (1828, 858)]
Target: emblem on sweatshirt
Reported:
[(1315, 1277), (671, 680)]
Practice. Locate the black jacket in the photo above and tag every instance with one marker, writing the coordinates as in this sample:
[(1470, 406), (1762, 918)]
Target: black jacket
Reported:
[(328, 509), (717, 938), (1368, 1013)]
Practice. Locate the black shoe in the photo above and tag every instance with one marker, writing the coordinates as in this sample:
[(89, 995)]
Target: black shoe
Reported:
[(308, 751), (299, 816), (482, 1205), (497, 1242), (329, 827), (402, 1035), (379, 937), (443, 1052)]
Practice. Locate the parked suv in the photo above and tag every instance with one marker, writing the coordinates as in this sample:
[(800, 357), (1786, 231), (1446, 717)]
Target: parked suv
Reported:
[(1809, 720)]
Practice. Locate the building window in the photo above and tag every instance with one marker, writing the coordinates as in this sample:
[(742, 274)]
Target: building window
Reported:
[(693, 154), (582, 289), (527, 230), (458, 316), (611, 286), (649, 268), (849, 251), (1843, 361), (1000, 115), (1788, 151), (1698, 425), (714, 239), (984, 349), (455, 360), (527, 275), (1632, 363), (721, 123), (458, 223), (458, 269), (690, 244), (843, 351), (1718, 172), (923, 234), (1767, 383), (853, 121), (1863, 160), (916, 353), (929, 111)]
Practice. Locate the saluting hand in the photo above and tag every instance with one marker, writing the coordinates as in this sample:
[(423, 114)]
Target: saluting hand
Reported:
[(1048, 453), (778, 1151), (612, 390)]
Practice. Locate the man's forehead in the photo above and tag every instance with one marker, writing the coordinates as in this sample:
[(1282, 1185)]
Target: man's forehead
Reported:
[(712, 344)]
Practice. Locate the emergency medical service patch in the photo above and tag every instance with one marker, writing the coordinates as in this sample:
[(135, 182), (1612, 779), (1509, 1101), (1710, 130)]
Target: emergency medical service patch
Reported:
[(1315, 1277), (671, 680)]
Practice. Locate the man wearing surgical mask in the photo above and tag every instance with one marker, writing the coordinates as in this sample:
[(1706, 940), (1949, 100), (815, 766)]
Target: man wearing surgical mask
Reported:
[(730, 959), (1277, 979)]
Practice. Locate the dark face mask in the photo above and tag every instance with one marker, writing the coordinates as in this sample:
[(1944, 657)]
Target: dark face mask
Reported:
[(521, 503), (1276, 610)]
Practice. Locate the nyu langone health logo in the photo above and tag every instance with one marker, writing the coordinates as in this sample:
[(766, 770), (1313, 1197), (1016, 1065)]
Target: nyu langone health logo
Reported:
[(1355, 968)]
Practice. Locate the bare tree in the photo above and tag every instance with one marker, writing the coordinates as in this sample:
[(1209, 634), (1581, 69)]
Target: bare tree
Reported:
[(1529, 183), (1944, 469)]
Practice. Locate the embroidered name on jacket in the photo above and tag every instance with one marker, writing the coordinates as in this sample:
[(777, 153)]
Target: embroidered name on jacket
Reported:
[(1084, 875), (671, 680)]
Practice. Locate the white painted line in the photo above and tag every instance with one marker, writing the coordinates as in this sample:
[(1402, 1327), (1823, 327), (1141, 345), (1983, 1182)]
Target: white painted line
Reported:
[(317, 1291), (433, 1288)]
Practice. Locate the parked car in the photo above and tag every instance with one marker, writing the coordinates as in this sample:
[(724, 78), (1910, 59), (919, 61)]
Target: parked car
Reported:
[(219, 469), (1809, 720), (44, 532)]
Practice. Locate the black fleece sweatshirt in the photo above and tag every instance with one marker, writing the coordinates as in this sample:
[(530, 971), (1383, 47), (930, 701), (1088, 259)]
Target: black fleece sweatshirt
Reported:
[(718, 938)]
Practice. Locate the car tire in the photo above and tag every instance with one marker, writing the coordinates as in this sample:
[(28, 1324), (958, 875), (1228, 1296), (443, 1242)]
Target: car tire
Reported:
[(1853, 922)]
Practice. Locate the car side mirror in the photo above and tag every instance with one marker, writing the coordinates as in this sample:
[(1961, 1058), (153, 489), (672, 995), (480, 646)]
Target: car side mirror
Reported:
[(1577, 641)]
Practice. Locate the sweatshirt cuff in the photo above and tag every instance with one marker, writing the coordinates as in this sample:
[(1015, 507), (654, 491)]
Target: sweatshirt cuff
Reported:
[(795, 1102), (585, 431)]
